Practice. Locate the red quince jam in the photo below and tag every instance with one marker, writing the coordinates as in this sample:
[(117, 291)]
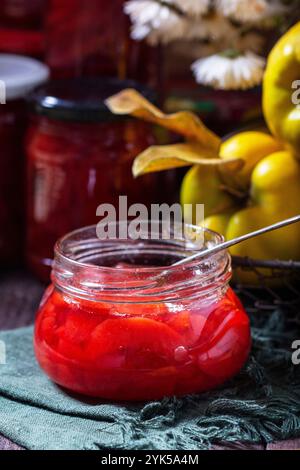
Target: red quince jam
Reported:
[(135, 352), (72, 168)]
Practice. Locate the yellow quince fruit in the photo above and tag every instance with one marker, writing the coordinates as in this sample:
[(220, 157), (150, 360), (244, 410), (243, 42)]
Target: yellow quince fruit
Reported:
[(281, 97)]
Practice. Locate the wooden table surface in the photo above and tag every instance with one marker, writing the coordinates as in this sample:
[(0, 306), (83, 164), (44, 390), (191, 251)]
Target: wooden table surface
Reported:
[(20, 294)]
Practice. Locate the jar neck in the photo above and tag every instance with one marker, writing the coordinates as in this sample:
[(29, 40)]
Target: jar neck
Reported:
[(131, 271)]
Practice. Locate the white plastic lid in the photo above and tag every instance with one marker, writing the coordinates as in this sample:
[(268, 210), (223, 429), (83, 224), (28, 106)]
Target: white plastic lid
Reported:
[(21, 75)]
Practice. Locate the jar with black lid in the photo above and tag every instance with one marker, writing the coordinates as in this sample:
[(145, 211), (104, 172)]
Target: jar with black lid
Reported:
[(79, 156)]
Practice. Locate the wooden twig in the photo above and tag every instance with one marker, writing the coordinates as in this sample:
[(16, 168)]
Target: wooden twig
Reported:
[(271, 264)]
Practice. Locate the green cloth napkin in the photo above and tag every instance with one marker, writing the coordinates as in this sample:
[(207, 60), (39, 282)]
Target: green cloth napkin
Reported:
[(262, 404)]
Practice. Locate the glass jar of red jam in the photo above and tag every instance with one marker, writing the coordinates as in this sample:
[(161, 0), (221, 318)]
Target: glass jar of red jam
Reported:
[(79, 156), (96, 41), (18, 75), (120, 323), (21, 26)]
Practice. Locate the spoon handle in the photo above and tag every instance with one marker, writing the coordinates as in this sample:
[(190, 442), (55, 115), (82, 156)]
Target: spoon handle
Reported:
[(235, 241)]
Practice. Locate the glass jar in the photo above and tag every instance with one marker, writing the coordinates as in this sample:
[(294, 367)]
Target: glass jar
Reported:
[(21, 26), (96, 40), (120, 323), (79, 156), (18, 75)]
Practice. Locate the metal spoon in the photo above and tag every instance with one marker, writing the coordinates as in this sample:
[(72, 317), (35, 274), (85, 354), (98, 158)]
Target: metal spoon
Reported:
[(235, 241)]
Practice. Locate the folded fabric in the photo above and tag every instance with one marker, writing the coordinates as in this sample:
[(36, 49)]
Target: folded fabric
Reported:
[(262, 404)]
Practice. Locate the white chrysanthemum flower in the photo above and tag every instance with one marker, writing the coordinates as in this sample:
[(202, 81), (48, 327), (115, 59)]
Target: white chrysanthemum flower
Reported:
[(148, 12), (167, 32), (225, 73), (244, 10), (154, 21), (193, 7), (241, 9)]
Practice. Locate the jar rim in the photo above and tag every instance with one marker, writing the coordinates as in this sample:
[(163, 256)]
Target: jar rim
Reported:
[(59, 249), (77, 267)]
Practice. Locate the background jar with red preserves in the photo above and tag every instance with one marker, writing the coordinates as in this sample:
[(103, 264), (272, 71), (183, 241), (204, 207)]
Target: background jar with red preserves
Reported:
[(21, 26), (79, 156), (96, 41), (18, 75)]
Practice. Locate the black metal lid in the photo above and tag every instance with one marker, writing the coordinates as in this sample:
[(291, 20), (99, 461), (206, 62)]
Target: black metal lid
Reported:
[(81, 99)]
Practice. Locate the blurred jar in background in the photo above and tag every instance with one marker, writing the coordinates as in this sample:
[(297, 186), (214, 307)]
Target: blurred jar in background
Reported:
[(21, 27), (79, 156), (18, 76), (86, 38)]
